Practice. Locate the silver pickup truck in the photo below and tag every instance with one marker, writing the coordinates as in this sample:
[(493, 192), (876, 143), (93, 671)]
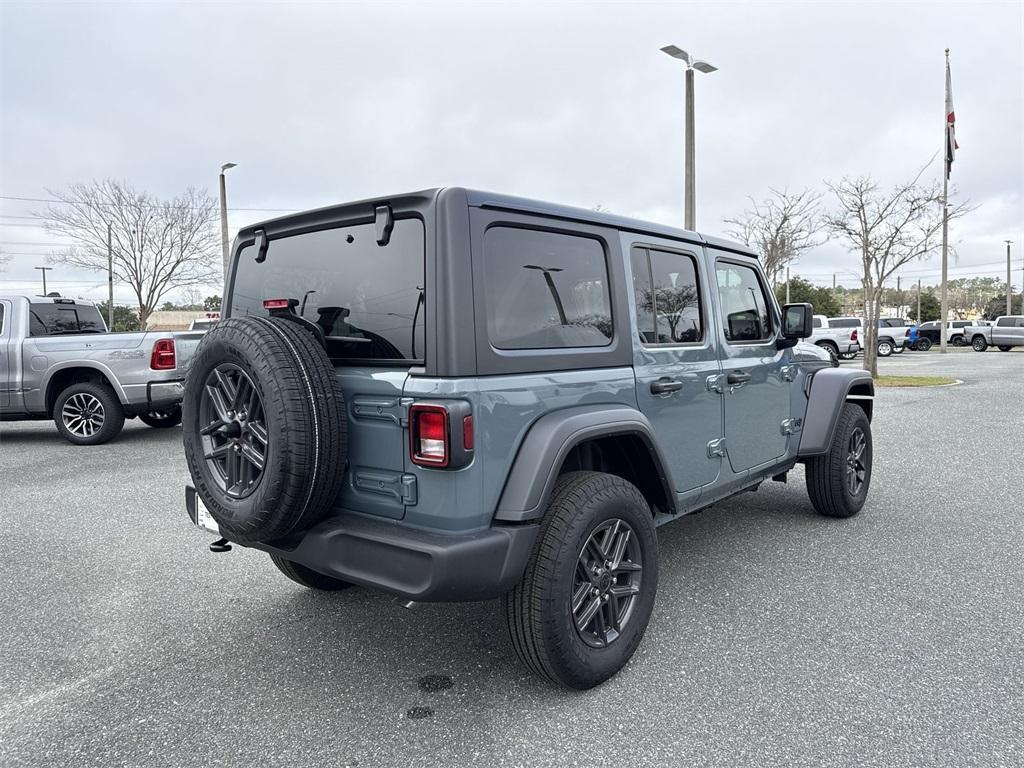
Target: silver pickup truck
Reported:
[(838, 338), (1006, 333), (57, 361)]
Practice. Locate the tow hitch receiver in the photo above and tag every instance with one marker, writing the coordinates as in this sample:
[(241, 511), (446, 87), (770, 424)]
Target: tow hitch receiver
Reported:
[(201, 518)]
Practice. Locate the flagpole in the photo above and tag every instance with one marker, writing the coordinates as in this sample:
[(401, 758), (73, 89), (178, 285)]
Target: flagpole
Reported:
[(944, 318)]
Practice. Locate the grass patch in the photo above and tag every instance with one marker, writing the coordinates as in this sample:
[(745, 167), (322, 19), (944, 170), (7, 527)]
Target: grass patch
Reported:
[(913, 381)]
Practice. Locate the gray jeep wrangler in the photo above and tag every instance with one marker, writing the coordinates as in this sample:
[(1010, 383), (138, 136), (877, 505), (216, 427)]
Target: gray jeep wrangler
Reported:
[(456, 395)]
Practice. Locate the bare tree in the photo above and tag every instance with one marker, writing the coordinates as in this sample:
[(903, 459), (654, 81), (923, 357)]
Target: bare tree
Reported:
[(887, 230), (158, 245), (779, 228), (672, 304)]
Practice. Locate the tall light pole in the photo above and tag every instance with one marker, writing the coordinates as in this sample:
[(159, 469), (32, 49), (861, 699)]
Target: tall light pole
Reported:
[(690, 208), (1009, 285), (44, 270), (224, 219)]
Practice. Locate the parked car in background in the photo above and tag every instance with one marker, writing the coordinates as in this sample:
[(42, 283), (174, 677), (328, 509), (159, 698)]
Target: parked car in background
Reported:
[(57, 361), (840, 341), (932, 330), (892, 332), (855, 326), (1006, 333)]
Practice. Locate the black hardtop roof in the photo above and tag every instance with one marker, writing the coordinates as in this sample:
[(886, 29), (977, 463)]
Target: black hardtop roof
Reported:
[(483, 199)]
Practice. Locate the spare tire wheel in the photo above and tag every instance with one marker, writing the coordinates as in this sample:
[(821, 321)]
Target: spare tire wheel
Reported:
[(265, 428)]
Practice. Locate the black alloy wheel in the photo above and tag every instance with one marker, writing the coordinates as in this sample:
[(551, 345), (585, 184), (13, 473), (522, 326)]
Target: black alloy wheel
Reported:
[(234, 438), (855, 466), (606, 583)]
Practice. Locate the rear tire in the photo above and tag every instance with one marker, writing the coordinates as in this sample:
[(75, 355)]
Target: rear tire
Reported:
[(832, 350), (88, 414), (162, 419), (885, 348), (958, 340), (838, 482), (979, 344), (584, 602), (307, 577), (924, 344)]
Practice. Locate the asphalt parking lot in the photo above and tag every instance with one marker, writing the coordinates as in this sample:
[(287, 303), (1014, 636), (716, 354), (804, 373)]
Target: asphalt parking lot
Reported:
[(779, 637)]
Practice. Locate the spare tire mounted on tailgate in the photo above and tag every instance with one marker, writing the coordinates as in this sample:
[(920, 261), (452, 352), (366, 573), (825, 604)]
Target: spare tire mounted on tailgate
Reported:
[(264, 428)]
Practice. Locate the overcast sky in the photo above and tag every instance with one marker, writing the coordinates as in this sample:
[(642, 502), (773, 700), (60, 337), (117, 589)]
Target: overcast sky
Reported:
[(574, 103)]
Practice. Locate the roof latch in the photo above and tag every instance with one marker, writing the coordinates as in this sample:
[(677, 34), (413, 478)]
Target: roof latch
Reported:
[(262, 244), (384, 222)]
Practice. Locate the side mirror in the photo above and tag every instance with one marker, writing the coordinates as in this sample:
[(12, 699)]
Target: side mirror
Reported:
[(797, 321)]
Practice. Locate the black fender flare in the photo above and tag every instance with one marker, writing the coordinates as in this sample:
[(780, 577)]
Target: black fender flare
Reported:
[(535, 467), (828, 390)]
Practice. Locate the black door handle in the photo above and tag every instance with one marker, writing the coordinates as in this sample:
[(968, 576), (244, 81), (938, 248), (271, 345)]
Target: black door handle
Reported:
[(737, 377), (664, 385)]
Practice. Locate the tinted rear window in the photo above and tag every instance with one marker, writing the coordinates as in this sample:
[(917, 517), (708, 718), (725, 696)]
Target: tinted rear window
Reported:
[(367, 298), (843, 322), (51, 319)]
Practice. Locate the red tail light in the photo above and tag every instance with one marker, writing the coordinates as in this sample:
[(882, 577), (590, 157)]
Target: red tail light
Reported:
[(275, 304), (163, 357), (429, 435), (853, 335), (907, 333)]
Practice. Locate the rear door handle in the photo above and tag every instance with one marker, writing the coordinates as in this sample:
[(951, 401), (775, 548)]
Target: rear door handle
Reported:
[(737, 378), (664, 385)]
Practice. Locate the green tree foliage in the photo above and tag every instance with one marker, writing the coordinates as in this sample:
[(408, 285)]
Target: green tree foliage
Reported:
[(996, 307), (930, 307), (124, 318), (211, 303), (801, 290)]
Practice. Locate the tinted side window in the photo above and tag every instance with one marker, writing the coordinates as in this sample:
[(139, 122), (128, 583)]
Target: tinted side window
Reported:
[(1006, 322), (667, 298), (745, 311), (816, 322), (545, 290), (850, 322)]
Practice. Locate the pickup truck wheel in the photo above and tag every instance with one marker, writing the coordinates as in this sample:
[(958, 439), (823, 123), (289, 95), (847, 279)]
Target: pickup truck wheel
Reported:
[(885, 348), (847, 355), (832, 350), (88, 414), (838, 482), (587, 595), (924, 344), (1004, 348), (307, 577), (264, 428), (979, 344), (162, 419)]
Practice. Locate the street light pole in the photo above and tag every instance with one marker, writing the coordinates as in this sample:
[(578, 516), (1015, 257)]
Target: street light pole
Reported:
[(44, 270), (1009, 286), (110, 283), (690, 202), (224, 219)]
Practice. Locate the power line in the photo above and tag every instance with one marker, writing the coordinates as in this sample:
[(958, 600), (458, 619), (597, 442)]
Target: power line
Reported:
[(147, 205)]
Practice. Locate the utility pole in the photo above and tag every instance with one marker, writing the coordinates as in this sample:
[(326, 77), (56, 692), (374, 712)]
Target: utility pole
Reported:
[(899, 297), (944, 297), (44, 270), (224, 245), (787, 284), (1009, 287), (919, 301), (690, 202), (110, 283)]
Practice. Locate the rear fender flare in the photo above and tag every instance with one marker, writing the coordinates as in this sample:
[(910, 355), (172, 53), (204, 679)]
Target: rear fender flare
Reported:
[(551, 438), (829, 390)]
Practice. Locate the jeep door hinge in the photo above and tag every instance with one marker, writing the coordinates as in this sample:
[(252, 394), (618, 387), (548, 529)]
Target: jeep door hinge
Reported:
[(791, 426), (716, 448), (788, 372), (715, 383)]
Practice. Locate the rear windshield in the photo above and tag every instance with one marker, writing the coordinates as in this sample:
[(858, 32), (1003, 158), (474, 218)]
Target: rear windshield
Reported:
[(367, 298), (843, 322), (49, 319)]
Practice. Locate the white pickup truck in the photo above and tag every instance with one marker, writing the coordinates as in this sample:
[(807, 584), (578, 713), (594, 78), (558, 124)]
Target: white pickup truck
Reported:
[(837, 336), (57, 361), (1006, 333)]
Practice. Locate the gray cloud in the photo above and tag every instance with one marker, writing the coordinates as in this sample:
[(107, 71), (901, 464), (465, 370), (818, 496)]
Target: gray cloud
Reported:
[(573, 102)]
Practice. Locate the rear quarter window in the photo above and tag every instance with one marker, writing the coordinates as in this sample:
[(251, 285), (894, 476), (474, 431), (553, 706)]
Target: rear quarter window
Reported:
[(545, 290)]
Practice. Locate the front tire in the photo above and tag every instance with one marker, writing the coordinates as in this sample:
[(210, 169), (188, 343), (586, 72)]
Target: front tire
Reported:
[(88, 414), (838, 482), (162, 419), (307, 577), (584, 602), (884, 348), (978, 344)]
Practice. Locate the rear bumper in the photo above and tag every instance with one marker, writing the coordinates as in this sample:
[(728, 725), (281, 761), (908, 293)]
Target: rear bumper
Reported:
[(163, 394), (414, 564)]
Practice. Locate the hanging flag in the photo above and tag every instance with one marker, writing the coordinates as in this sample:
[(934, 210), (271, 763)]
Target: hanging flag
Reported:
[(951, 145)]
